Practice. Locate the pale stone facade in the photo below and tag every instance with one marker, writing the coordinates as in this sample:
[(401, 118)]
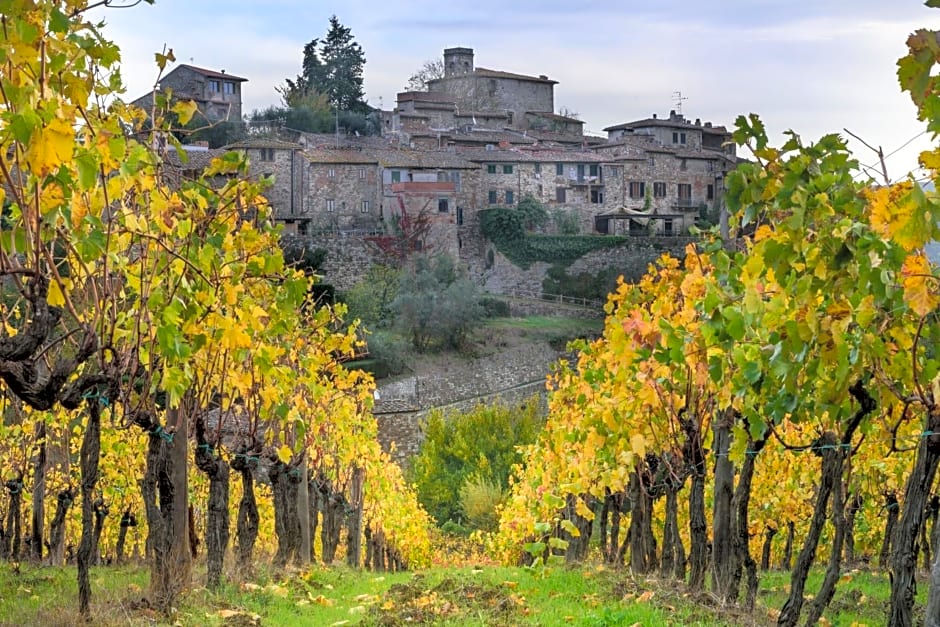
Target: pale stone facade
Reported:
[(217, 94)]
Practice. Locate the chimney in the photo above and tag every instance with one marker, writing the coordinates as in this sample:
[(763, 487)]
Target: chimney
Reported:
[(708, 124), (654, 116), (543, 77), (672, 114), (698, 121)]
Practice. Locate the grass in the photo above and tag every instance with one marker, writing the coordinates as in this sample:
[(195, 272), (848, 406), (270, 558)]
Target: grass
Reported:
[(862, 596), (545, 328), (590, 595)]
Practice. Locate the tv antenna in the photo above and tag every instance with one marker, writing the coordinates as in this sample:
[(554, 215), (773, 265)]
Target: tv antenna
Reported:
[(677, 95)]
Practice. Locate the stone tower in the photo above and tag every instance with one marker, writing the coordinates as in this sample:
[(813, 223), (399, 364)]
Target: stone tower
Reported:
[(458, 61)]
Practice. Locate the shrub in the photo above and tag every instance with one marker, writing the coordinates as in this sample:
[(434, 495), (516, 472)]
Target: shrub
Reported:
[(481, 443), (436, 306), (494, 307), (390, 349), (534, 214), (370, 300), (566, 222), (479, 498)]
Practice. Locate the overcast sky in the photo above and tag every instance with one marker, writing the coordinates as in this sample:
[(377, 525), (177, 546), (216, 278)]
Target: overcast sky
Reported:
[(811, 66)]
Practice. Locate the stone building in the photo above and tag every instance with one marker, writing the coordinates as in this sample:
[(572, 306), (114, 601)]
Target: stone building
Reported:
[(283, 162), (218, 95), (673, 174), (475, 89), (675, 131), (342, 190)]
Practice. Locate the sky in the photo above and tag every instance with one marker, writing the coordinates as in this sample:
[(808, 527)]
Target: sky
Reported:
[(814, 67)]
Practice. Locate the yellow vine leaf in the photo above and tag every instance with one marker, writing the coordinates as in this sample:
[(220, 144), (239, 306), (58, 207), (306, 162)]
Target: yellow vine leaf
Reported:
[(638, 444), (284, 454), (917, 283), (55, 298), (184, 110), (51, 147)]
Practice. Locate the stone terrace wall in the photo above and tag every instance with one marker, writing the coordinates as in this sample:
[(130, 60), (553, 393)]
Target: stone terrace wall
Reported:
[(632, 258), (348, 257), (512, 375)]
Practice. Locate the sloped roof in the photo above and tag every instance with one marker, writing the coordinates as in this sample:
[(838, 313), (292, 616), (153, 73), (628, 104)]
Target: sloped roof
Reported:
[(209, 73), (519, 77), (197, 160), (340, 155), (430, 159), (264, 142), (550, 115), (667, 123)]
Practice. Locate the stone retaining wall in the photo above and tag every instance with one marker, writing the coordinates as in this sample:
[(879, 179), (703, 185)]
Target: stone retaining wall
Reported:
[(512, 376)]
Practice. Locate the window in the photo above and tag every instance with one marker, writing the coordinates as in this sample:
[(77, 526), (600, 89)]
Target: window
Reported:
[(684, 190), (580, 172), (559, 169), (491, 168), (710, 191), (330, 205), (637, 189), (302, 227), (331, 173), (228, 88), (459, 216), (365, 207), (509, 197), (651, 162), (597, 196), (214, 86), (362, 173), (442, 205), (267, 154), (509, 117), (683, 165), (538, 168), (559, 194), (507, 169), (594, 170), (678, 137), (659, 190), (667, 227), (491, 197), (396, 176)]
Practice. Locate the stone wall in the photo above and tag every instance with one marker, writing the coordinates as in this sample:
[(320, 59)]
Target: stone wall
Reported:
[(348, 257), (633, 258), (512, 376)]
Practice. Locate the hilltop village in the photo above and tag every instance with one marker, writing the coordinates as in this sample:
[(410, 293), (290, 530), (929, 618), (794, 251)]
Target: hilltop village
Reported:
[(476, 138)]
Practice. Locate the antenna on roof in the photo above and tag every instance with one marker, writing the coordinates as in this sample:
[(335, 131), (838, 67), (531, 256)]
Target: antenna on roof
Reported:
[(677, 95)]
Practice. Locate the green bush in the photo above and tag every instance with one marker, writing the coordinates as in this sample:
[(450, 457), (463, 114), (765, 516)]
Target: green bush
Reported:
[(370, 300), (494, 307), (479, 498), (506, 229), (436, 306), (388, 348), (481, 443), (566, 222), (534, 214)]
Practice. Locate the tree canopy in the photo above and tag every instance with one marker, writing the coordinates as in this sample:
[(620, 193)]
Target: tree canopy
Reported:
[(332, 66)]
